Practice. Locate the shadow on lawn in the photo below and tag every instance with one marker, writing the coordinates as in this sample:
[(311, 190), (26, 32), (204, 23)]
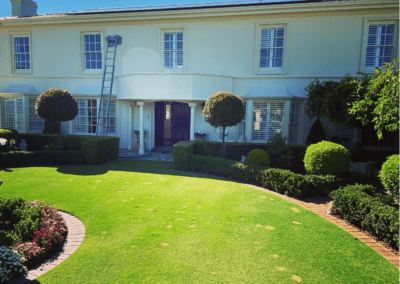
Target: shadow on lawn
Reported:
[(130, 165)]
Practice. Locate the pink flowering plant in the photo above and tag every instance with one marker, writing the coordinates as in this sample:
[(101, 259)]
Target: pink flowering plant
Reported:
[(34, 229)]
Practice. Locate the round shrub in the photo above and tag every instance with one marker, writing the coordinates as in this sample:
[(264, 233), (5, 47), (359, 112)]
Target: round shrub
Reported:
[(389, 175), (258, 157), (279, 152), (10, 264), (326, 158)]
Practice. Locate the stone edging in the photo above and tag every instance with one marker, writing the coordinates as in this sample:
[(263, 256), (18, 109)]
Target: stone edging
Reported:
[(323, 209), (76, 234)]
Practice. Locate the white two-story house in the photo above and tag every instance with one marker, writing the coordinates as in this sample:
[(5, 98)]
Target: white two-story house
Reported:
[(173, 58)]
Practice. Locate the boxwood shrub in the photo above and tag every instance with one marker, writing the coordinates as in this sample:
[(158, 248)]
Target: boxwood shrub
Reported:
[(182, 151), (389, 175), (100, 150), (368, 212)]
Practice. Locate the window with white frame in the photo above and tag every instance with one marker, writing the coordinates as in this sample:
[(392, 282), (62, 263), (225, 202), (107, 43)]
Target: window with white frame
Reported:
[(267, 119), (92, 53), (14, 114), (36, 124), (173, 50), (86, 120), (271, 49), (21, 53), (369, 137), (380, 45), (242, 125)]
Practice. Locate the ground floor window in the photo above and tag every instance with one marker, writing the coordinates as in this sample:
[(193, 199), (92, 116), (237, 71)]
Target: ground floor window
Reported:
[(370, 138), (242, 125), (267, 119), (86, 120), (14, 114)]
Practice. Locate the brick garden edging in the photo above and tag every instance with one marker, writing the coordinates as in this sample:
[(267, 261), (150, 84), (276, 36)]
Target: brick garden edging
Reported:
[(76, 234), (320, 205)]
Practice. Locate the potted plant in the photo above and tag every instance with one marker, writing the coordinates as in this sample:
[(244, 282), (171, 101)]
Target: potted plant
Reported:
[(200, 135)]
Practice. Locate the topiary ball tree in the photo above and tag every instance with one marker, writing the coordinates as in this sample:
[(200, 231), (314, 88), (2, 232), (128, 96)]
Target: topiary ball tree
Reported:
[(316, 134), (56, 105), (389, 175), (326, 158), (223, 109)]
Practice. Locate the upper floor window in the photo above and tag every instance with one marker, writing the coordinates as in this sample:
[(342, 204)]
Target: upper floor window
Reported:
[(380, 48), (271, 51), (21, 53), (92, 51), (173, 50)]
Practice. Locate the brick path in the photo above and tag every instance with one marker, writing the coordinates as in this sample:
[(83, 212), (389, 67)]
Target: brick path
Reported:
[(76, 234), (320, 205)]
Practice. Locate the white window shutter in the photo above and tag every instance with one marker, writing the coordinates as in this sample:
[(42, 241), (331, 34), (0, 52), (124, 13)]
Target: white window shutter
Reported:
[(242, 125), (36, 124), (112, 116), (81, 122), (14, 114), (293, 122), (9, 114), (347, 133), (275, 118)]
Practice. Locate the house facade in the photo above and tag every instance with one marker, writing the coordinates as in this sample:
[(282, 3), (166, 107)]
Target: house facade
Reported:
[(172, 58)]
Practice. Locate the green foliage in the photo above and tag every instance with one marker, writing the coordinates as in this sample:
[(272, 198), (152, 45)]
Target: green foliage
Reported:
[(10, 264), (389, 175), (50, 127), (100, 150), (330, 100), (56, 105), (182, 151), (379, 99), (258, 157), (357, 153), (223, 109), (326, 158), (297, 185), (235, 151), (316, 133), (279, 152), (361, 209)]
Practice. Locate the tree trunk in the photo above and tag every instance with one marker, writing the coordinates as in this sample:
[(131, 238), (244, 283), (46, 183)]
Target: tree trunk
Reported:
[(59, 135), (223, 142)]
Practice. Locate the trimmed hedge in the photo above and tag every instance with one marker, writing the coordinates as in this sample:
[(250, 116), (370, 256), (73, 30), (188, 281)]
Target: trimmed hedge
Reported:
[(300, 186), (182, 151), (235, 151), (226, 168), (361, 209), (78, 150), (100, 150)]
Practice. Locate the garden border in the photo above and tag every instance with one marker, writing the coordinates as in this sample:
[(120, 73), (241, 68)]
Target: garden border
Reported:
[(76, 234)]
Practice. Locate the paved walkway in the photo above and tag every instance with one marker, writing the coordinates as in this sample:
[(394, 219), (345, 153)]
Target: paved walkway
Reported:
[(151, 156), (76, 234), (321, 205)]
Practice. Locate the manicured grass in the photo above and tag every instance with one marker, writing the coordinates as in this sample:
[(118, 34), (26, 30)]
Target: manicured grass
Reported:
[(147, 224)]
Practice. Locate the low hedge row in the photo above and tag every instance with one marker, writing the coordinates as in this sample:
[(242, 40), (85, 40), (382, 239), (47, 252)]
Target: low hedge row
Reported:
[(35, 158), (182, 151), (89, 150), (370, 213), (235, 151)]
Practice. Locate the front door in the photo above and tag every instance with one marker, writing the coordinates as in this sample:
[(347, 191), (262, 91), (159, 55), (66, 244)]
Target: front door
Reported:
[(172, 123)]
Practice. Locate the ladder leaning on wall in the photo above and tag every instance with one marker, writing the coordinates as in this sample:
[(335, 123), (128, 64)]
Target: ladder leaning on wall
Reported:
[(103, 111)]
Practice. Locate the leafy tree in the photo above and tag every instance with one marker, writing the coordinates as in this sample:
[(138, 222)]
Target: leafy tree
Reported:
[(223, 109), (56, 105), (379, 99), (330, 100)]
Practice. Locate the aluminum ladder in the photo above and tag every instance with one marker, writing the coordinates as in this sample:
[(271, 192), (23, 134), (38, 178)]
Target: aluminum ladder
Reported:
[(103, 111)]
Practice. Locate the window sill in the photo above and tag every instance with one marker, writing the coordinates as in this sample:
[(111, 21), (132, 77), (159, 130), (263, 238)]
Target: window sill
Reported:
[(270, 71), (175, 70), (27, 72), (92, 73)]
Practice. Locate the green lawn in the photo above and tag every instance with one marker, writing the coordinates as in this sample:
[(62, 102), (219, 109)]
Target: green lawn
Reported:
[(148, 224)]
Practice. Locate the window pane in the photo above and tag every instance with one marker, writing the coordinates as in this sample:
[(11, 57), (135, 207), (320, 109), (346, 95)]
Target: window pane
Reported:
[(98, 64), (98, 47), (97, 38), (98, 56), (91, 38), (92, 47), (92, 56), (179, 58), (168, 59), (179, 36)]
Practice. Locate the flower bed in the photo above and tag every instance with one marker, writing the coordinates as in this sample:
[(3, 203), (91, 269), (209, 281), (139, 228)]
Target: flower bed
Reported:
[(33, 229)]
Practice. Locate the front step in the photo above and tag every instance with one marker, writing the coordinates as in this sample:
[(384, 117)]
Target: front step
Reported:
[(163, 149)]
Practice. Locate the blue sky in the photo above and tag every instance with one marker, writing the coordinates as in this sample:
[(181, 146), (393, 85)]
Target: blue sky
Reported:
[(54, 6)]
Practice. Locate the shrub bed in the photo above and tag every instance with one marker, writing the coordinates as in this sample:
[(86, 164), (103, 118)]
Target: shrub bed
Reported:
[(33, 229), (368, 212), (182, 151), (235, 151)]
